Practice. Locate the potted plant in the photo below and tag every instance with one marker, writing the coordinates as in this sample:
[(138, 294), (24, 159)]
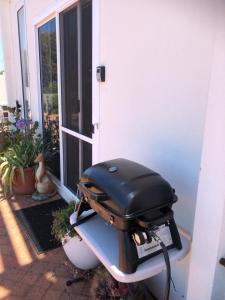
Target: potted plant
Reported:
[(17, 166), (75, 248), (21, 144)]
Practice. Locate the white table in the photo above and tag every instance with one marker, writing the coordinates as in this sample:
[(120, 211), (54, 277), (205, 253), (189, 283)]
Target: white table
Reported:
[(102, 239)]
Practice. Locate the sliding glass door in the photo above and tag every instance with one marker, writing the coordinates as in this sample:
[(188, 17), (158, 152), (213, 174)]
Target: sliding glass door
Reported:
[(67, 114), (49, 94), (76, 90)]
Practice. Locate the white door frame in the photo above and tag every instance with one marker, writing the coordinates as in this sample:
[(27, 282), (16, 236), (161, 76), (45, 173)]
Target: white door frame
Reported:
[(53, 11)]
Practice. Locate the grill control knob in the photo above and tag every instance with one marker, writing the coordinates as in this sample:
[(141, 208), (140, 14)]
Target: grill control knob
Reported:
[(139, 238)]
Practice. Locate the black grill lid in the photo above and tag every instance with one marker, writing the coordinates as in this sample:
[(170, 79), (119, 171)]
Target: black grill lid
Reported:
[(133, 187)]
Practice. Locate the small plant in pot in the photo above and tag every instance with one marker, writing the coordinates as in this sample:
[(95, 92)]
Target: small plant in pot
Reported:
[(17, 166), (21, 145), (75, 248)]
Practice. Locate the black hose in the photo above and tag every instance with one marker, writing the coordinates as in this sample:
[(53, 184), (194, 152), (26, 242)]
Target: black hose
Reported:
[(168, 271)]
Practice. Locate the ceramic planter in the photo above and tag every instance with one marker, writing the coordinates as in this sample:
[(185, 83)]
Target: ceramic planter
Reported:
[(79, 253), (28, 186)]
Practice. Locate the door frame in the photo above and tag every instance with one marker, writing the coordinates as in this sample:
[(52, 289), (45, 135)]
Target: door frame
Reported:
[(53, 11)]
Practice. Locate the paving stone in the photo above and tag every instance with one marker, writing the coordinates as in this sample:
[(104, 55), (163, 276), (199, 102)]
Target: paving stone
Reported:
[(14, 298), (72, 296), (60, 284), (36, 293), (42, 282), (40, 267), (45, 277), (20, 289), (62, 271), (31, 277), (52, 295)]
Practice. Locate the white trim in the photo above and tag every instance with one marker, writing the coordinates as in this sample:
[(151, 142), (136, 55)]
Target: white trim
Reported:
[(19, 4), (77, 135), (38, 80), (59, 99), (17, 7), (95, 83), (46, 20), (67, 4), (17, 50), (52, 9)]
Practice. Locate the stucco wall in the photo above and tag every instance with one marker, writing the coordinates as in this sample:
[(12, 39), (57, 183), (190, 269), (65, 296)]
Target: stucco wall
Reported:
[(218, 292), (158, 58), (8, 47), (206, 280)]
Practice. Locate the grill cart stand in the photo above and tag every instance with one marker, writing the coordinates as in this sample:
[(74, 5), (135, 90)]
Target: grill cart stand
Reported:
[(102, 240)]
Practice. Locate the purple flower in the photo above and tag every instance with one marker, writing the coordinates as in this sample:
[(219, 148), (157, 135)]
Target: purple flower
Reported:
[(21, 124)]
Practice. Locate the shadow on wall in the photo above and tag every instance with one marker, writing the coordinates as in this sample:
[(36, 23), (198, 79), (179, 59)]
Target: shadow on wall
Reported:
[(180, 165)]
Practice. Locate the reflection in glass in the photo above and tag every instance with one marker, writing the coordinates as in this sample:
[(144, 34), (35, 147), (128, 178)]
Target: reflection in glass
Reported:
[(49, 94), (23, 59), (77, 157)]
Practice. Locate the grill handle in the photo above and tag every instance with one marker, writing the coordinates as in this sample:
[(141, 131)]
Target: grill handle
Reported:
[(145, 223), (90, 191), (222, 261)]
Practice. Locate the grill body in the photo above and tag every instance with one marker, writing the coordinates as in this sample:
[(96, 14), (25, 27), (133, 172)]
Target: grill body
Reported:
[(135, 200)]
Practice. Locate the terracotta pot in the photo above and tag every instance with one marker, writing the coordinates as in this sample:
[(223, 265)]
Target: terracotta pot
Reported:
[(28, 186)]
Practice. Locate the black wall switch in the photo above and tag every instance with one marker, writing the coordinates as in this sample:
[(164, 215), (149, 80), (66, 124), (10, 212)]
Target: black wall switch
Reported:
[(100, 73)]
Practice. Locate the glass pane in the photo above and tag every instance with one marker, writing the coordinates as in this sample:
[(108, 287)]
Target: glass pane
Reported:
[(49, 94), (86, 54), (69, 68), (77, 158), (23, 59), (76, 58)]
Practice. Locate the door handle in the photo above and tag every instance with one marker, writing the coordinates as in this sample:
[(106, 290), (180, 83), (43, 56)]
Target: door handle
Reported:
[(222, 261), (95, 127)]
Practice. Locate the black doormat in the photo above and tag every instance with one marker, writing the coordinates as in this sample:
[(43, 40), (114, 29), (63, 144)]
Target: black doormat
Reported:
[(37, 222)]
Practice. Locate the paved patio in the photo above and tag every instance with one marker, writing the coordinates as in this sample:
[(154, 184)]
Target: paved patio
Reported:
[(24, 274)]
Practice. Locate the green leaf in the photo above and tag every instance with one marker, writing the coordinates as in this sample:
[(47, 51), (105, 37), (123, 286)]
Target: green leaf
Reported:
[(12, 173), (22, 174), (5, 163)]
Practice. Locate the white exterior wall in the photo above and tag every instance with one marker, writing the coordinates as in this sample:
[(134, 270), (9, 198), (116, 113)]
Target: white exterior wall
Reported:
[(218, 289), (206, 275), (158, 57), (9, 44)]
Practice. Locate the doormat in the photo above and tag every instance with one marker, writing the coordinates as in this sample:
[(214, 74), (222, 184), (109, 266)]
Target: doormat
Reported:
[(37, 222)]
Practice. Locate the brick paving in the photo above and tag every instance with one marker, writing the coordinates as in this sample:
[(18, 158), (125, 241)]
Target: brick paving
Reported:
[(26, 275)]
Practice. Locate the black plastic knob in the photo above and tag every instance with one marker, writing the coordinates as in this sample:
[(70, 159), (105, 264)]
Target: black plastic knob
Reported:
[(139, 238)]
